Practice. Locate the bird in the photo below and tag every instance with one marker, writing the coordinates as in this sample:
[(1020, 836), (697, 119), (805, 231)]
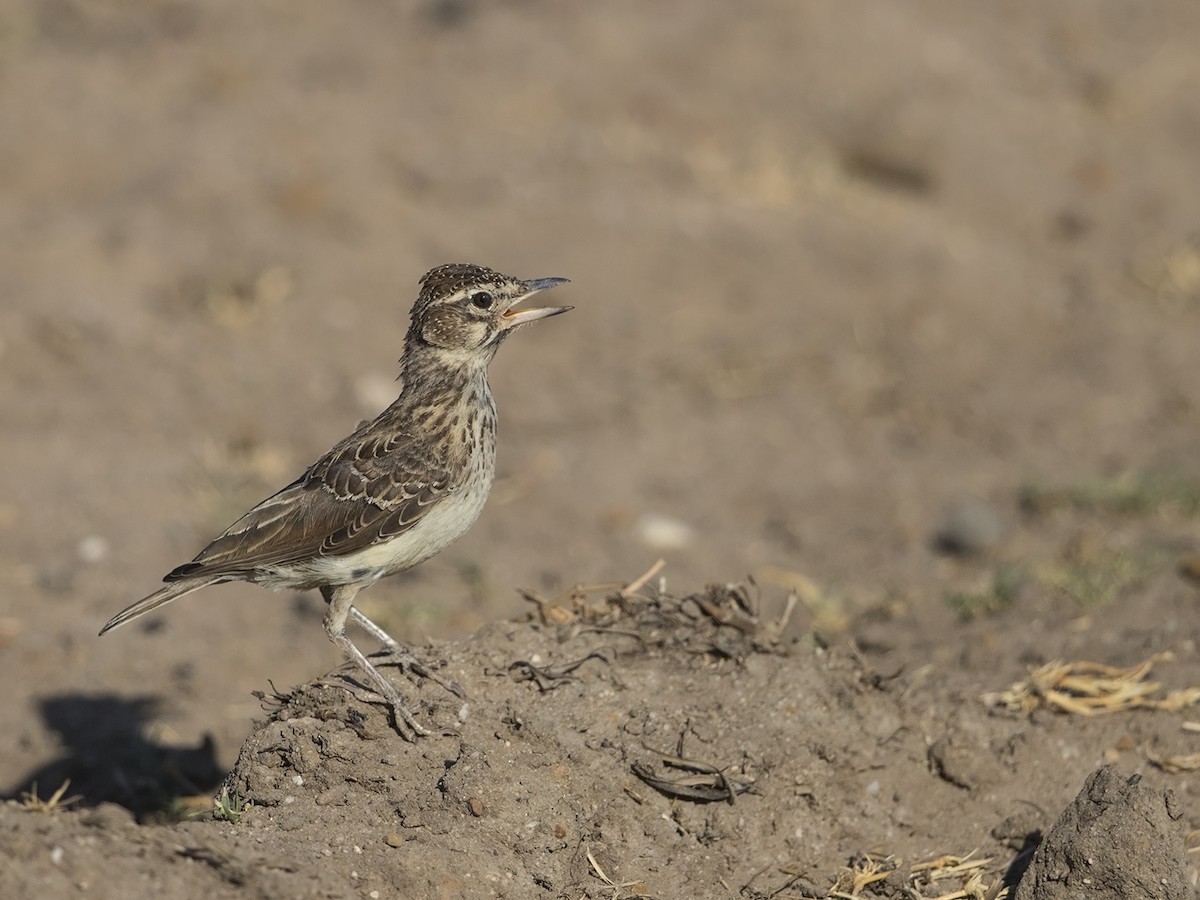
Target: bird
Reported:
[(399, 489)]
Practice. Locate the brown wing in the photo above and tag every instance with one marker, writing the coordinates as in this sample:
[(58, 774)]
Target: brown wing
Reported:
[(371, 487)]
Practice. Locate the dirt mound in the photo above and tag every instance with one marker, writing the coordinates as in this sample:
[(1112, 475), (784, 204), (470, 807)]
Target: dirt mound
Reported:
[(638, 744)]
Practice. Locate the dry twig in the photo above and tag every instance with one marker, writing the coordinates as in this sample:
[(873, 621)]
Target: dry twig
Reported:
[(554, 612)]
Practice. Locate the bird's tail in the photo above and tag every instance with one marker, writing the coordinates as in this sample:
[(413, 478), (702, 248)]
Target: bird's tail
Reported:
[(173, 591)]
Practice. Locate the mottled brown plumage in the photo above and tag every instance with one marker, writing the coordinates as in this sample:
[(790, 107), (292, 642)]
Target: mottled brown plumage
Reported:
[(396, 491)]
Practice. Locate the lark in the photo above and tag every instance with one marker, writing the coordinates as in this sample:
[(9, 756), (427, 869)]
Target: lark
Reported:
[(395, 492)]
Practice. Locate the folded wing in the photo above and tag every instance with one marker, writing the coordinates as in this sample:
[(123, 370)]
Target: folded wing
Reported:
[(355, 496)]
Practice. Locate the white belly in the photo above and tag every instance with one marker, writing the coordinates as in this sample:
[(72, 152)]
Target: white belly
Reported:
[(444, 523)]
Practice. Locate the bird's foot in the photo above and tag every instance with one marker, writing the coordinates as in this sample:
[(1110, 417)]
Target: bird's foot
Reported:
[(403, 721), (396, 654), (384, 692)]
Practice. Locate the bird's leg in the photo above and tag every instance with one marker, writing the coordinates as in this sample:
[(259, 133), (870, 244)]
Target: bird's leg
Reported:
[(340, 599), (389, 643), (395, 653)]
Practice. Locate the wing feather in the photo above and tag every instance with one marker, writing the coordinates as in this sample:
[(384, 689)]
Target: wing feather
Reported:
[(373, 486)]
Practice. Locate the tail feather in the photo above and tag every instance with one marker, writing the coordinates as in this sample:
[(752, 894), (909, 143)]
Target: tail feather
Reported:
[(162, 596)]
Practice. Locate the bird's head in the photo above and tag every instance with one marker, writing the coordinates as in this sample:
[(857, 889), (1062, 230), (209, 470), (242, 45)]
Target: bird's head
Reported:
[(470, 308)]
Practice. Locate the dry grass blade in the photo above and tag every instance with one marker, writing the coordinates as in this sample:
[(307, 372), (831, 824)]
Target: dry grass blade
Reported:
[(1174, 765), (864, 869), (641, 581), (969, 873), (827, 610), (33, 803), (635, 888), (1092, 689), (949, 866), (926, 880), (554, 611)]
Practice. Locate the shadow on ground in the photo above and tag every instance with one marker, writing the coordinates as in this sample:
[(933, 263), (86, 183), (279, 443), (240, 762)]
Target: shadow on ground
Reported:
[(107, 758)]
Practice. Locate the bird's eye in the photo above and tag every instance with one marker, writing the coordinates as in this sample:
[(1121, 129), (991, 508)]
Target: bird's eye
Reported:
[(481, 300)]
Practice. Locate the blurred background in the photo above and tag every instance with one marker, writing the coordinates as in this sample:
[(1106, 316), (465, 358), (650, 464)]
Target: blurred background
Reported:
[(841, 270)]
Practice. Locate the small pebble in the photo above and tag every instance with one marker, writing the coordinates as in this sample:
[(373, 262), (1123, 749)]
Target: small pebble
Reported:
[(663, 532), (970, 527), (92, 549), (1190, 567)]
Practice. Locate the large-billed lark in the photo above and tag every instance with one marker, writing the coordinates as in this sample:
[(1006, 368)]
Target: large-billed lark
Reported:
[(396, 491)]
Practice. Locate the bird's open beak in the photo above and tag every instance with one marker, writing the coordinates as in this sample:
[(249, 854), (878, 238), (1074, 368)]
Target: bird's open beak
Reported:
[(512, 317)]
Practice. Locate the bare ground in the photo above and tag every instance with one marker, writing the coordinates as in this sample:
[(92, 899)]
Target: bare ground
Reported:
[(893, 310)]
